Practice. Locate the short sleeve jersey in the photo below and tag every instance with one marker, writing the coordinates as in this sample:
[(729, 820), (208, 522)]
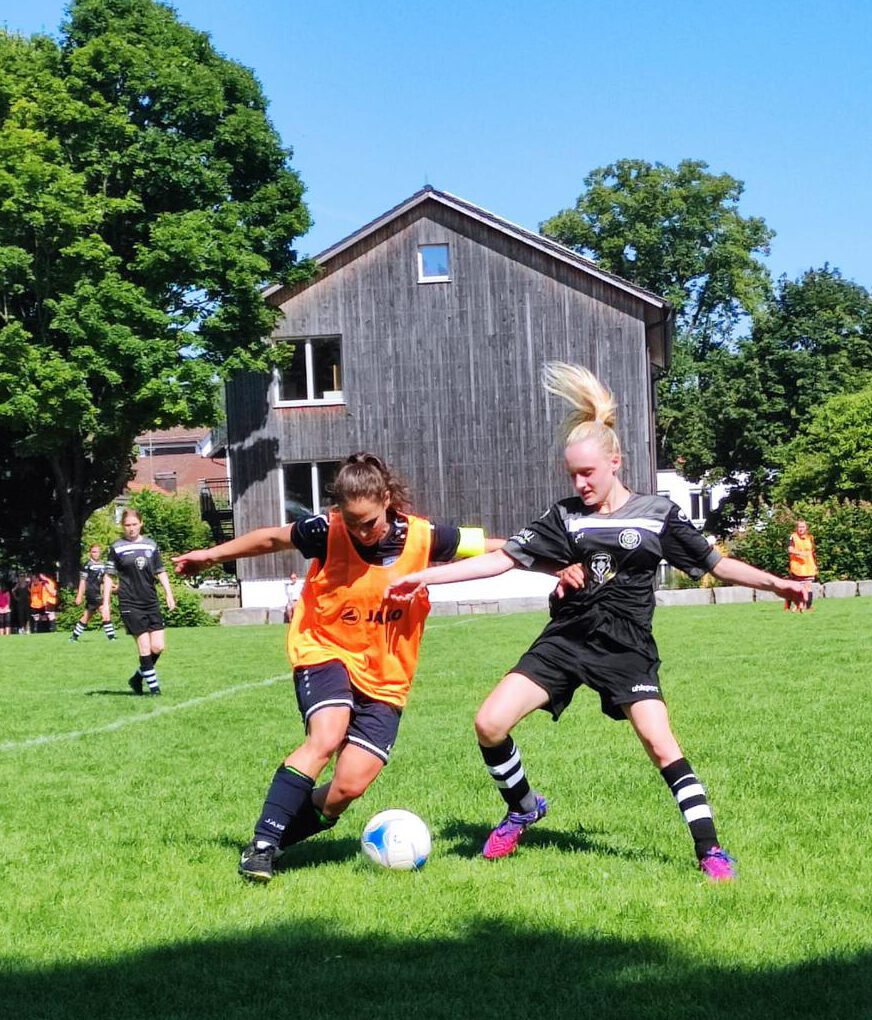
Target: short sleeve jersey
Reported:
[(309, 536), (136, 565), (92, 574), (620, 553)]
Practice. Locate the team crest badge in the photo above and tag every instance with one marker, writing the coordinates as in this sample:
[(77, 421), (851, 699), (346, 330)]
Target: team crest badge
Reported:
[(629, 538), (601, 567)]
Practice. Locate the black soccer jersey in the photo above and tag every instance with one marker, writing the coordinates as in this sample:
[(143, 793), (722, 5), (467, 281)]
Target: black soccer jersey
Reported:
[(92, 574), (620, 553), (309, 536), (136, 564)]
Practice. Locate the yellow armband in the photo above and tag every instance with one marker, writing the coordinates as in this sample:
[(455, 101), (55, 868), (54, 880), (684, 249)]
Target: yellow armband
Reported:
[(471, 543)]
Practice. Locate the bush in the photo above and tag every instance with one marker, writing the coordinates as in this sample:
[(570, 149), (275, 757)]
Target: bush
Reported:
[(189, 611), (842, 531)]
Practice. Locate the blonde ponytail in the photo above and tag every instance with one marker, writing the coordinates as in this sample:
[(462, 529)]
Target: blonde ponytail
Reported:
[(593, 411)]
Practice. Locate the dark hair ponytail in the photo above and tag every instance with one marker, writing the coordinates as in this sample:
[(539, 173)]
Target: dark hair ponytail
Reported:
[(366, 476)]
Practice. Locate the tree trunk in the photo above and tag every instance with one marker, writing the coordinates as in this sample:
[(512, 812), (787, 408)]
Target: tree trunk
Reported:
[(72, 517)]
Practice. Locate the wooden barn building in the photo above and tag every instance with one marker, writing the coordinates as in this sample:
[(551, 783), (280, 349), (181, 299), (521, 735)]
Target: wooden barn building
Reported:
[(422, 339)]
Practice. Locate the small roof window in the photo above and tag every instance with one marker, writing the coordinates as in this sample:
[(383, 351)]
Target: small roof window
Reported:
[(434, 264)]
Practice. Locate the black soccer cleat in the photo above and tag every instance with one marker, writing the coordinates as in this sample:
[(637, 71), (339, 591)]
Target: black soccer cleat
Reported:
[(135, 683), (256, 862)]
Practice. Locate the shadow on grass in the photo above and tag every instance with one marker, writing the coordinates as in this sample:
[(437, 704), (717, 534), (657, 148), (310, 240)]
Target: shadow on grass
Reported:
[(310, 971), (112, 694), (304, 855), (469, 839)]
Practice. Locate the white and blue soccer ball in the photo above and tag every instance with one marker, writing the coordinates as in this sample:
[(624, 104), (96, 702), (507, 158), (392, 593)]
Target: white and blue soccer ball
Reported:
[(396, 839)]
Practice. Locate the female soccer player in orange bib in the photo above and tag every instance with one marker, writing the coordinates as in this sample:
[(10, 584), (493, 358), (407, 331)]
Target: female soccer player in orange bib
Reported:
[(803, 563), (353, 654), (609, 542)]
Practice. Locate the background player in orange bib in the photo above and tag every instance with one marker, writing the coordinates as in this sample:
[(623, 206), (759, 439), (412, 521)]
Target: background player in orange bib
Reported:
[(803, 563), (353, 654), (609, 542)]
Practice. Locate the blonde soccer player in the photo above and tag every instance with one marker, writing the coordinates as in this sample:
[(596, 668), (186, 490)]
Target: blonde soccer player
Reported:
[(609, 542)]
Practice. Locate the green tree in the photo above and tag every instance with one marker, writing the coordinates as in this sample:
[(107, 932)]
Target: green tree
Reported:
[(676, 231), (813, 341), (832, 456), (145, 198)]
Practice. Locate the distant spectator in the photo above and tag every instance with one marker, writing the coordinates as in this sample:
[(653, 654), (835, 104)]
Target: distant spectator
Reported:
[(803, 563), (21, 605), (5, 609), (49, 602), (293, 587), (37, 617)]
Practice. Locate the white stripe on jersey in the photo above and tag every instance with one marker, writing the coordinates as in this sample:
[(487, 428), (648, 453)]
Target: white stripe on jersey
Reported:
[(600, 523), (133, 547)]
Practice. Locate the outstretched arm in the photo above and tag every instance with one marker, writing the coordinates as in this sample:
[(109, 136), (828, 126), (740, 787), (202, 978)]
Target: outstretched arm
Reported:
[(252, 543), (737, 572), (489, 565)]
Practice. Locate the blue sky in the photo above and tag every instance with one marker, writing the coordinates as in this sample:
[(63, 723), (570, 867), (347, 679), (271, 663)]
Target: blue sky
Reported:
[(510, 104)]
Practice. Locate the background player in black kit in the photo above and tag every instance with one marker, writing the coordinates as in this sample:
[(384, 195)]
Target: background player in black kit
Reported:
[(135, 561), (599, 634), (90, 591)]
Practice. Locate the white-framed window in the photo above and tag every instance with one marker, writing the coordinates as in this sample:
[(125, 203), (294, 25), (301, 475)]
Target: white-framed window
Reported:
[(434, 263), (700, 505), (312, 373), (305, 487)]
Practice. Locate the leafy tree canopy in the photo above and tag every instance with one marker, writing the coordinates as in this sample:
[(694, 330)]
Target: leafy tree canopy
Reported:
[(145, 198), (743, 407), (677, 232), (832, 456)]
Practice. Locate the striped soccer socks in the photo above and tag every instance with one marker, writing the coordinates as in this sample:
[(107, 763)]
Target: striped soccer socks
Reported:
[(504, 764), (690, 796), (148, 673)]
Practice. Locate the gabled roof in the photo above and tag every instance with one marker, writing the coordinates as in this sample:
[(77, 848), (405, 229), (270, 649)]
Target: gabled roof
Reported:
[(544, 244)]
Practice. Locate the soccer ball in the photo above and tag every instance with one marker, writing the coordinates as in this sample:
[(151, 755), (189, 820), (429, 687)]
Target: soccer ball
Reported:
[(396, 839)]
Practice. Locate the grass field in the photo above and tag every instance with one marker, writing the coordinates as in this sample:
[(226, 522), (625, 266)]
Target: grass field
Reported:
[(122, 820)]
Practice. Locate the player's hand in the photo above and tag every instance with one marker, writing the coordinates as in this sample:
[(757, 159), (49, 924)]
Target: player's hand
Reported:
[(404, 589), (191, 563), (570, 578), (171, 603), (78, 600), (792, 591)]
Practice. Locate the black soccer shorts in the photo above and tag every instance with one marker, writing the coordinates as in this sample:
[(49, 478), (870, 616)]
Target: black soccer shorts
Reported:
[(374, 724)]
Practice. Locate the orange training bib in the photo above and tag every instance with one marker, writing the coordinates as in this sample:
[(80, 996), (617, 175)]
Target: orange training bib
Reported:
[(802, 562), (342, 614)]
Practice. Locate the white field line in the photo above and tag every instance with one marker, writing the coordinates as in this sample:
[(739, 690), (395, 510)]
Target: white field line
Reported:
[(54, 738)]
